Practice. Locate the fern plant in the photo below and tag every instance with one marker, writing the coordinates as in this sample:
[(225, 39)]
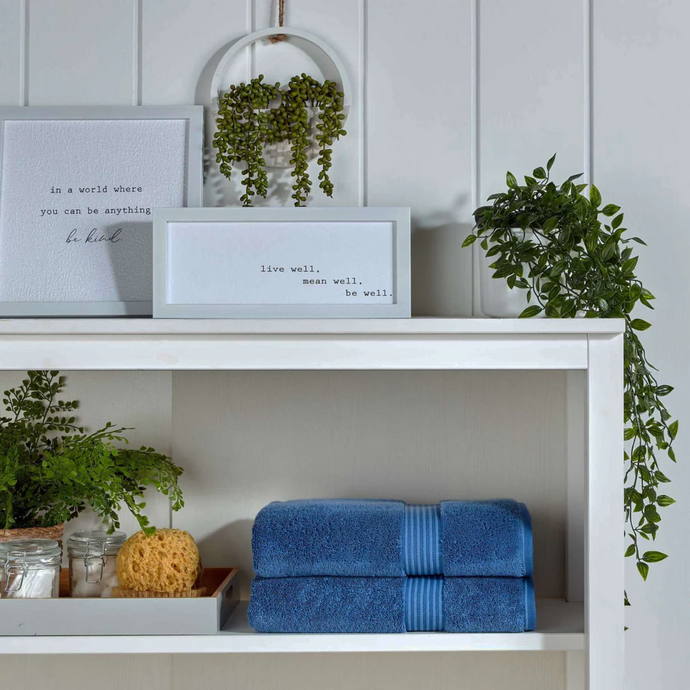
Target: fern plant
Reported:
[(51, 469), (578, 260)]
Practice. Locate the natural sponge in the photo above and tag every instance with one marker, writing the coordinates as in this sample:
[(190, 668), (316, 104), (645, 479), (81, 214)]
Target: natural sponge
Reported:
[(166, 562)]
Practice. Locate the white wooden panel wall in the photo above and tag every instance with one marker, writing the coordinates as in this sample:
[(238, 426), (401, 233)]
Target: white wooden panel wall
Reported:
[(641, 146), (447, 96)]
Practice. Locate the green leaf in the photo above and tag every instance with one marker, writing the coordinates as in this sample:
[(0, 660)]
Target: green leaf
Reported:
[(653, 556), (661, 391), (552, 160), (539, 173), (550, 224), (616, 222), (673, 429), (661, 477), (643, 569), (594, 197), (629, 265), (470, 239), (531, 311), (665, 501), (610, 209), (630, 551), (640, 324), (510, 180)]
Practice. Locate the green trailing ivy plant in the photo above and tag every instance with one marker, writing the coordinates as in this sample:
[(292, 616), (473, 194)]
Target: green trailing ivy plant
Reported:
[(247, 122), (578, 261), (51, 469)]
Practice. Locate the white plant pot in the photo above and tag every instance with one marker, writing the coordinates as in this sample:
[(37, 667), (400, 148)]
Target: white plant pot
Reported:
[(496, 298)]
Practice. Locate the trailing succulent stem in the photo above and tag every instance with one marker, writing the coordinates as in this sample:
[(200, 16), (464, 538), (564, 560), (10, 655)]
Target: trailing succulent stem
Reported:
[(246, 122), (576, 261), (51, 469)]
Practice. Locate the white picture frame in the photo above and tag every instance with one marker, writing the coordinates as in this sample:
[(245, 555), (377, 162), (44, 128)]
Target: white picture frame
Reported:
[(124, 291), (211, 263)]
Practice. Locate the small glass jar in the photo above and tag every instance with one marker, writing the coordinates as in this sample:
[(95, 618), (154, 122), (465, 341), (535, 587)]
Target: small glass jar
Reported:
[(30, 569), (92, 562)]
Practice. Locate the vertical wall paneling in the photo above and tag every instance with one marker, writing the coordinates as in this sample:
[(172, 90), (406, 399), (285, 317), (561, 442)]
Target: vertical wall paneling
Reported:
[(80, 56), (11, 52), (588, 110), (179, 39), (474, 144), (532, 89), (137, 43), (181, 45), (419, 139), (641, 147)]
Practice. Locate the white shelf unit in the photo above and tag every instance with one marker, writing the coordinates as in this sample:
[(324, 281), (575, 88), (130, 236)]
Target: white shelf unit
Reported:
[(590, 632)]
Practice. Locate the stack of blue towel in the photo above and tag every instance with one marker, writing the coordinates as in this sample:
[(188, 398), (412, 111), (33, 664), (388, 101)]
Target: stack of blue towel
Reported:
[(368, 566)]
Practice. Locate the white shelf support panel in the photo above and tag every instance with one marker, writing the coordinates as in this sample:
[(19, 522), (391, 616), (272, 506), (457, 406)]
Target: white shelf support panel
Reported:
[(604, 572)]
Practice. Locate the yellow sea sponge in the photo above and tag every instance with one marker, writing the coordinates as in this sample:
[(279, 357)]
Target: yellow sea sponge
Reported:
[(168, 562)]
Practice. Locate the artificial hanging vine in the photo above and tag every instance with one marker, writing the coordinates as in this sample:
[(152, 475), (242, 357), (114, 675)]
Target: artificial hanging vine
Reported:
[(578, 262), (246, 123)]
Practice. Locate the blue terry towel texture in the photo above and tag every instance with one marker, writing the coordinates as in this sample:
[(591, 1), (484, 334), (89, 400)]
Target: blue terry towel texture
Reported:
[(378, 538), (391, 605)]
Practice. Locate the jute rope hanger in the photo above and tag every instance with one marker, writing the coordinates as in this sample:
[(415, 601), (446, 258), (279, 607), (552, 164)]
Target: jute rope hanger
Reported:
[(281, 22)]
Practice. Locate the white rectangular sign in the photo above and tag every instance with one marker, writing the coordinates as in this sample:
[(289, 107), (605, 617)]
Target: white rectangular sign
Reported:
[(282, 262), (77, 191)]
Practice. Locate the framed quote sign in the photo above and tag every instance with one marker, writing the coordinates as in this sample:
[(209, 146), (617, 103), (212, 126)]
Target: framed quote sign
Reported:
[(77, 191), (281, 263)]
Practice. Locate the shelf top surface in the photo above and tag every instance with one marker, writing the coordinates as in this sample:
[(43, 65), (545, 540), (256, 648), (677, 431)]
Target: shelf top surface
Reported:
[(392, 327), (560, 628)]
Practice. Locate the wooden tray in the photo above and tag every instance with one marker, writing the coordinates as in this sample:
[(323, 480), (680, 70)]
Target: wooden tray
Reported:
[(65, 616)]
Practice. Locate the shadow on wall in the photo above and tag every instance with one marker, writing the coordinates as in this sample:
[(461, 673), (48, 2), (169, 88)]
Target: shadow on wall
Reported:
[(441, 268), (234, 540)]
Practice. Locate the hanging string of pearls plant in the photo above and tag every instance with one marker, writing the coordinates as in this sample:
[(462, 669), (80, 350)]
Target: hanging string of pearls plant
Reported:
[(308, 114)]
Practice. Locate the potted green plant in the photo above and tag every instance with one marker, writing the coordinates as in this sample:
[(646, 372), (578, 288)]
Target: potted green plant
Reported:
[(569, 255), (51, 469), (305, 117)]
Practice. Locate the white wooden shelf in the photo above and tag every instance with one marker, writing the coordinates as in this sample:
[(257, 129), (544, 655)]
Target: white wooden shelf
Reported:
[(560, 628), (594, 525), (385, 344)]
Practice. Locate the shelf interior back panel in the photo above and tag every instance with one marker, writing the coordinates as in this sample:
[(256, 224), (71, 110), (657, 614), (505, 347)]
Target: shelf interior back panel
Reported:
[(248, 438)]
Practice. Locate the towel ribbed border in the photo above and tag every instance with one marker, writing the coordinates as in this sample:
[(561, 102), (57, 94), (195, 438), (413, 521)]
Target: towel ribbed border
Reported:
[(423, 601), (422, 540)]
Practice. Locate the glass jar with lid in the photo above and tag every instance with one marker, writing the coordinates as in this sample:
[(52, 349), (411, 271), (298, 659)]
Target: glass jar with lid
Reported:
[(92, 562), (30, 569)]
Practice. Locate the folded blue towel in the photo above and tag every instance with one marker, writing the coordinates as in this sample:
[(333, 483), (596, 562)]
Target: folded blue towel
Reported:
[(486, 538), (391, 605), (327, 605), (369, 538)]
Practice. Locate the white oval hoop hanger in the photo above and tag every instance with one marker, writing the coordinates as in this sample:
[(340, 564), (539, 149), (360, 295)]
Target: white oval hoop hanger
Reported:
[(330, 64), (313, 46)]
